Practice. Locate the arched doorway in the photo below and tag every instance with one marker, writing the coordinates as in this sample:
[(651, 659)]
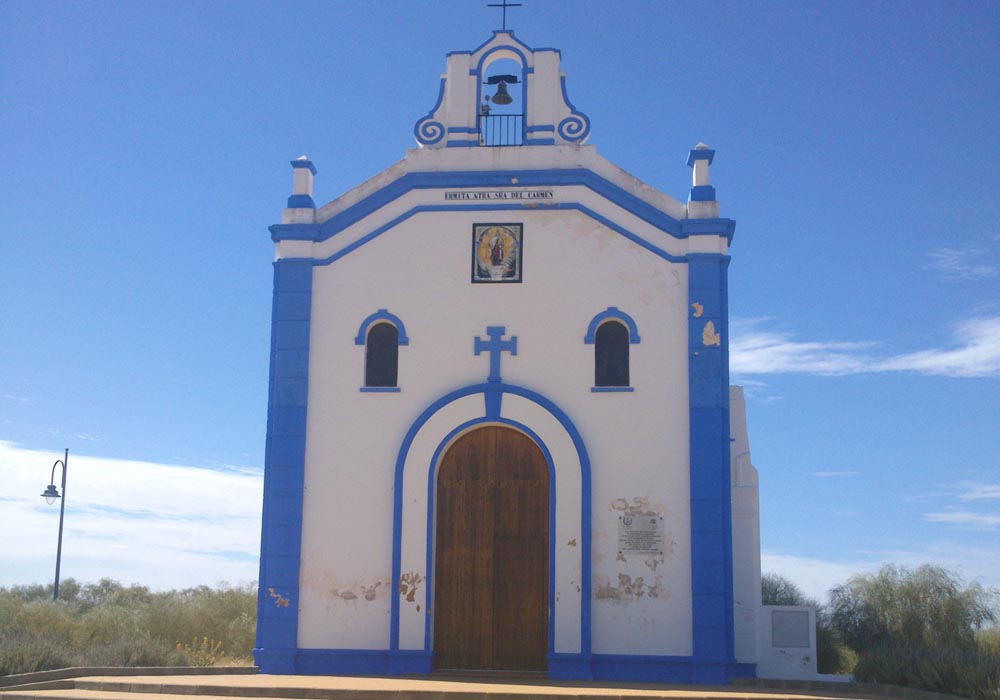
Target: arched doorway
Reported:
[(491, 553)]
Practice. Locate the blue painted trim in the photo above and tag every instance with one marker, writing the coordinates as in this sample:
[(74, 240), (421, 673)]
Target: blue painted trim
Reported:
[(576, 127), (702, 193), (700, 154), (495, 347), (612, 313), (662, 669), (585, 505), (709, 446), (304, 164), (533, 206), (301, 201), (541, 127), (379, 390), (361, 662), (284, 467), (426, 131), (611, 389), (641, 668), (462, 130), (539, 142), (294, 232), (381, 315), (468, 426), (708, 227), (497, 178), (486, 43)]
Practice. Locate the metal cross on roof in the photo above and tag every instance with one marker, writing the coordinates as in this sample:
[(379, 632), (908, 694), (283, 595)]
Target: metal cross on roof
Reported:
[(504, 5)]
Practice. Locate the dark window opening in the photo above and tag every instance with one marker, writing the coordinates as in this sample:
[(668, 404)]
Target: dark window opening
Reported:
[(611, 355), (382, 355)]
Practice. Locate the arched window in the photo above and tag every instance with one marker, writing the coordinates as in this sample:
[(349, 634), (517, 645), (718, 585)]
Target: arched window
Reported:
[(611, 343), (382, 355), (381, 333)]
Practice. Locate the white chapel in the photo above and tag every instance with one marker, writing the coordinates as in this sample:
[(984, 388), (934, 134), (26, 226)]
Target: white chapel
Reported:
[(500, 431)]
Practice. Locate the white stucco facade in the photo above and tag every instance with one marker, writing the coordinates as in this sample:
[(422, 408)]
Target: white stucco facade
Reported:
[(348, 552)]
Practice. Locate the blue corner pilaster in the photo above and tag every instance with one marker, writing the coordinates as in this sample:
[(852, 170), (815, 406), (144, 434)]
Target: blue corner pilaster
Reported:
[(711, 514), (284, 469)]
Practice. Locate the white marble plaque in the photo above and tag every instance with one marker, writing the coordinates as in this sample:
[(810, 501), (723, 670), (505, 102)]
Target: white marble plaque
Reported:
[(640, 534)]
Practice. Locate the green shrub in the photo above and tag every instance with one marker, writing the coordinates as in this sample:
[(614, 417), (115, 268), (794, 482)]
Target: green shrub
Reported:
[(107, 624), (970, 673), (920, 628)]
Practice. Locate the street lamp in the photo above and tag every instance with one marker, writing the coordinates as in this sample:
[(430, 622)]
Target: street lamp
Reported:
[(51, 495)]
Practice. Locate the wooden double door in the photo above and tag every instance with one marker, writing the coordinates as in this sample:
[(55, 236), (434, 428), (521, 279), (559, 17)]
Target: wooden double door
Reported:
[(491, 576)]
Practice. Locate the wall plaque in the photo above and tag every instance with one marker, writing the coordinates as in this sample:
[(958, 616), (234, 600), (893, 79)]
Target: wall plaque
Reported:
[(640, 534)]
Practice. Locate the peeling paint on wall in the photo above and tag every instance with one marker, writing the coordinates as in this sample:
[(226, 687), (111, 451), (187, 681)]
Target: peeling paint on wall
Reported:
[(408, 584), (629, 589), (698, 309), (344, 595), (572, 542), (279, 600), (369, 591), (640, 506), (709, 337), (657, 590)]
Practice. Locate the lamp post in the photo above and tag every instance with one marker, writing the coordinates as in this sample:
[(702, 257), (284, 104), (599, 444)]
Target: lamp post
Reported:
[(51, 495)]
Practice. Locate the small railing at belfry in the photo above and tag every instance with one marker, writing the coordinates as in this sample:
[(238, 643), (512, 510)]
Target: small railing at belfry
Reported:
[(501, 129)]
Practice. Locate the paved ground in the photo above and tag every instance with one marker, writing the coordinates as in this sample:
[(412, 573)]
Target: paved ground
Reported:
[(189, 687)]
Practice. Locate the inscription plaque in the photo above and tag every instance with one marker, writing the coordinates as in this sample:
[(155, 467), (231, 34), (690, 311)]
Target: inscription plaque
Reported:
[(640, 534)]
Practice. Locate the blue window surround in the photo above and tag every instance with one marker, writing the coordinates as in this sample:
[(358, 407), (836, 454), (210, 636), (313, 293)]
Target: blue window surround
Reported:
[(381, 315), (612, 313)]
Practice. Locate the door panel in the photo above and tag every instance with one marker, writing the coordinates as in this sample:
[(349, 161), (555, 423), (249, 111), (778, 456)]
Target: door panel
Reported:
[(491, 548)]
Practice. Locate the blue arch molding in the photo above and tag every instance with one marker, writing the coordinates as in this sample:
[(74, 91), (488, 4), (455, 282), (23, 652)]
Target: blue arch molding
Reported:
[(615, 313), (680, 229), (401, 661), (381, 315)]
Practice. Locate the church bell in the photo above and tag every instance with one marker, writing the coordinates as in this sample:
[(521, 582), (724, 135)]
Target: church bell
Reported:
[(502, 97)]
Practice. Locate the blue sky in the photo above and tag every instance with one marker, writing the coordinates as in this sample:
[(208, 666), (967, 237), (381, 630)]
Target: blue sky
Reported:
[(144, 150)]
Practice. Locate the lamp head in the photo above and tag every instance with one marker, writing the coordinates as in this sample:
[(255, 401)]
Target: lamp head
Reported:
[(51, 494)]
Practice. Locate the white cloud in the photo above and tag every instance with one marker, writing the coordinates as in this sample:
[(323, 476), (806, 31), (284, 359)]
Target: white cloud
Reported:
[(762, 352), (975, 521), (964, 263), (976, 491), (752, 351), (161, 525), (978, 354), (816, 576)]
